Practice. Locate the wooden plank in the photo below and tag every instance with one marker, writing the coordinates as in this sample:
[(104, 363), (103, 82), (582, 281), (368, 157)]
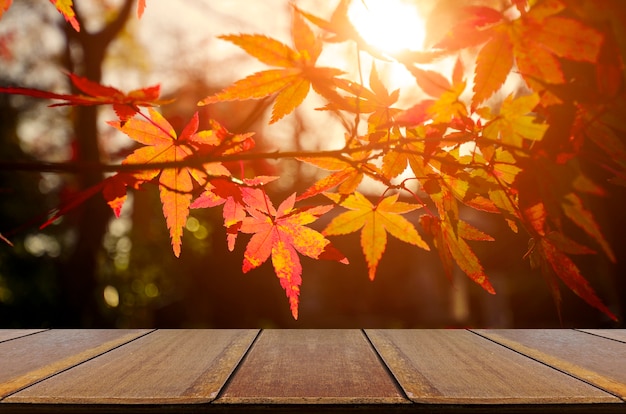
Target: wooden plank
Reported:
[(8, 334), (26, 360), (165, 367), (594, 359), (309, 366), (460, 367), (615, 334)]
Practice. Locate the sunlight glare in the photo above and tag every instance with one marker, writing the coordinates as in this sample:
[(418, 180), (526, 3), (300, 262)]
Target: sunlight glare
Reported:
[(388, 25)]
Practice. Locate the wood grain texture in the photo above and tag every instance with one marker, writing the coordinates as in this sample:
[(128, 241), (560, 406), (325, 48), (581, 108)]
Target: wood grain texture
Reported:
[(313, 367), (8, 334), (460, 367), (599, 361), (164, 367), (28, 359), (615, 334)]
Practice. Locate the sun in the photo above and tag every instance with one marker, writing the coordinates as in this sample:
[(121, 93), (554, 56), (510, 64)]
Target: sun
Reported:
[(388, 25)]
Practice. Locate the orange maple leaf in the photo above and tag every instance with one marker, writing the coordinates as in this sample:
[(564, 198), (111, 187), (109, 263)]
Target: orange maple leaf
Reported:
[(493, 64), (293, 82), (4, 6), (536, 40), (65, 7), (282, 233), (162, 145), (141, 7), (374, 221)]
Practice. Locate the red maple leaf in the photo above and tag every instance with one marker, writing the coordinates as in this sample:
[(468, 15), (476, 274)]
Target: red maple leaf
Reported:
[(125, 105), (230, 193), (282, 234)]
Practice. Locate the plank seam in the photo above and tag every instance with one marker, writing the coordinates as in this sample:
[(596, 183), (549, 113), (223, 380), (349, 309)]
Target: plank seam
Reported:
[(234, 371), (74, 366), (386, 367), (599, 336), (24, 336), (550, 366)]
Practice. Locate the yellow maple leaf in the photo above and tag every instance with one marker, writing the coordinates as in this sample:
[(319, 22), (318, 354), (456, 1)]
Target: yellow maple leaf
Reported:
[(374, 221)]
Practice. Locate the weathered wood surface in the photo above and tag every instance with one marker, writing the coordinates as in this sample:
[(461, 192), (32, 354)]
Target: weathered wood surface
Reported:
[(460, 367), (311, 366), (166, 366), (8, 334), (28, 359), (615, 334), (321, 371), (597, 360)]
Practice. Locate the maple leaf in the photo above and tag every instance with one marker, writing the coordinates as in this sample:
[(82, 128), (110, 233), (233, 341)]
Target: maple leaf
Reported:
[(606, 138), (452, 248), (394, 163), (493, 64), (472, 31), (344, 175), (495, 58), (230, 193), (541, 37), (114, 190), (163, 145), (534, 41), (376, 101), (374, 221), (448, 104), (416, 114), (65, 8), (548, 253), (449, 234), (339, 26), (340, 29), (125, 105), (431, 82), (282, 233), (290, 84), (515, 122), (141, 7), (583, 218), (4, 6)]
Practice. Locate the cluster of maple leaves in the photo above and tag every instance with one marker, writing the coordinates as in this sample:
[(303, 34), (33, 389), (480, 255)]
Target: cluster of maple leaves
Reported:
[(522, 163)]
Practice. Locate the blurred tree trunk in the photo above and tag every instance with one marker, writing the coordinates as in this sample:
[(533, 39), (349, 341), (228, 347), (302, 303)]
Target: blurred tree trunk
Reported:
[(79, 273)]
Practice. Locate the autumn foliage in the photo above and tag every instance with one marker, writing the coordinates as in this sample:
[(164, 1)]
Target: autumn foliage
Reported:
[(518, 159)]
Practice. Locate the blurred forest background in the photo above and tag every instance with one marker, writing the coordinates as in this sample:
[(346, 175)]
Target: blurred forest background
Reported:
[(92, 270)]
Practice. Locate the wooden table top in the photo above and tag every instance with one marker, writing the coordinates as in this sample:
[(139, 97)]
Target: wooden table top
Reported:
[(224, 371)]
